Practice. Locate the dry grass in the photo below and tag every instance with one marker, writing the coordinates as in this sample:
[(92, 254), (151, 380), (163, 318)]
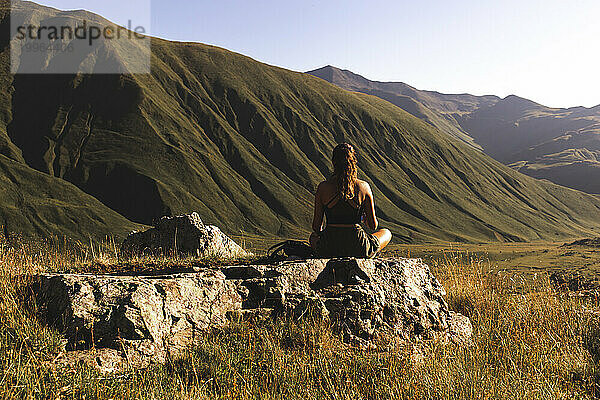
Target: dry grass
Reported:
[(529, 342)]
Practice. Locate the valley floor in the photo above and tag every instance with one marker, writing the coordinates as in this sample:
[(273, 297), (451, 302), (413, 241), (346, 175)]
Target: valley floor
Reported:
[(531, 340), (524, 259)]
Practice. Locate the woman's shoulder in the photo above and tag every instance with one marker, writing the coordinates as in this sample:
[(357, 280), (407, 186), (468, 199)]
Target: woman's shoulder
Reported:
[(326, 186), (363, 186)]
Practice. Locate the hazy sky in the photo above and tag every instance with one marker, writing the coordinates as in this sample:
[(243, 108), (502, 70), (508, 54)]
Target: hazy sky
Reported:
[(547, 51)]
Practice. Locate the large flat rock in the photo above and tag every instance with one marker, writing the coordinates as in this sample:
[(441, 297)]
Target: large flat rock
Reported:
[(146, 319)]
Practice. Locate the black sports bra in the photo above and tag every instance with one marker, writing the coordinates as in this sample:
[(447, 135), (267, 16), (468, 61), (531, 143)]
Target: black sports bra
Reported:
[(342, 212)]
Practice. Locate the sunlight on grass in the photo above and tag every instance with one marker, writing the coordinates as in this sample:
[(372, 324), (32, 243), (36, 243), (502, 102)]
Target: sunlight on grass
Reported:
[(529, 342)]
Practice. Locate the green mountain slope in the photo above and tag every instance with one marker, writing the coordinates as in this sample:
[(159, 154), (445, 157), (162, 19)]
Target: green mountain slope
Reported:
[(540, 141), (33, 203), (245, 145), (36, 204)]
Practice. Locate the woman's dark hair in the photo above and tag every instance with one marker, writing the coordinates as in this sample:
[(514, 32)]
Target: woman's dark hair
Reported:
[(345, 169)]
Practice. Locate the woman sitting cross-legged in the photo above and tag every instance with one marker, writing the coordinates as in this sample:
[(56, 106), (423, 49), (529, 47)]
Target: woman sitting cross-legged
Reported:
[(346, 201)]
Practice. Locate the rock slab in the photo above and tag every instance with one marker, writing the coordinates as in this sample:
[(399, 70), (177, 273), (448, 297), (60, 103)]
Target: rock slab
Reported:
[(185, 235), (147, 319)]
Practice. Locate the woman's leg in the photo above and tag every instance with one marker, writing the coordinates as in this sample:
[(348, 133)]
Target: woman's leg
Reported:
[(384, 236)]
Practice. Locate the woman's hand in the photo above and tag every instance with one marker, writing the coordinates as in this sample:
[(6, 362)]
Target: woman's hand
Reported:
[(314, 239), (317, 224)]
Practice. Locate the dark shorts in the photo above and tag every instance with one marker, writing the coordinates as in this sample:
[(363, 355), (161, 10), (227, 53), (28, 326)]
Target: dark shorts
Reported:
[(347, 242)]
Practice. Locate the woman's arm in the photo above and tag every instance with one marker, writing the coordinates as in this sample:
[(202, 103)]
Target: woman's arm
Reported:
[(317, 224), (369, 210)]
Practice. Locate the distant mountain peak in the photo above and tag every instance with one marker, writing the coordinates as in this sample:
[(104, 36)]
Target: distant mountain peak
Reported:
[(340, 77), (514, 99)]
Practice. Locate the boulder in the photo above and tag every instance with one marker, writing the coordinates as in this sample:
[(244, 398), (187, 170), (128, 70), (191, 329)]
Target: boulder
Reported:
[(393, 298), (147, 319), (185, 235)]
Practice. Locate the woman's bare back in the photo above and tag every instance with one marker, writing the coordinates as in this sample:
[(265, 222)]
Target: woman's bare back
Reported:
[(327, 196)]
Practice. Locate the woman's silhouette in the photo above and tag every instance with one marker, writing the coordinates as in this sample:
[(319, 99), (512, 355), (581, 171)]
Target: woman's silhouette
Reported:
[(346, 201)]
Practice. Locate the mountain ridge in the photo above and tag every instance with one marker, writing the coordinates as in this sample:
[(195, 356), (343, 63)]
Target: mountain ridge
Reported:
[(345, 72), (504, 128)]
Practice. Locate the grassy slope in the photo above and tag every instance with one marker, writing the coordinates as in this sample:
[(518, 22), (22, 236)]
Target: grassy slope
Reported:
[(34, 203), (245, 144)]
